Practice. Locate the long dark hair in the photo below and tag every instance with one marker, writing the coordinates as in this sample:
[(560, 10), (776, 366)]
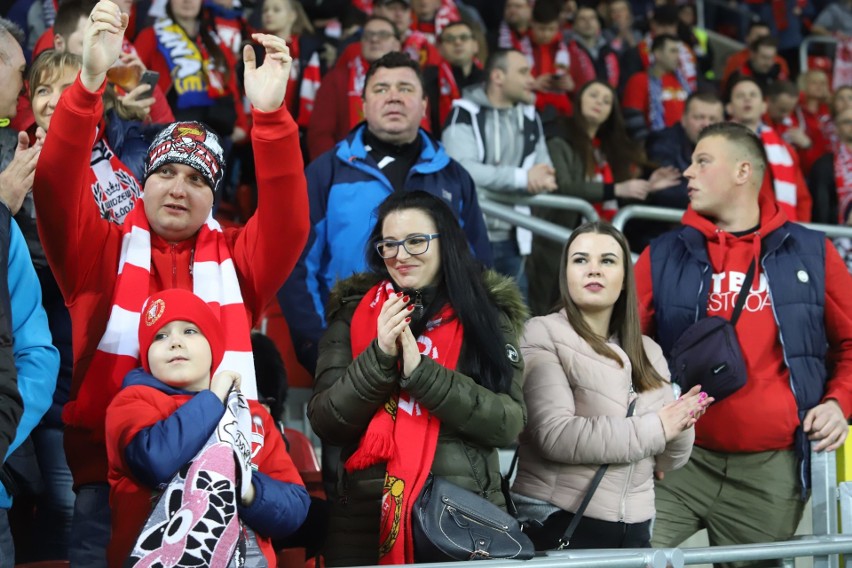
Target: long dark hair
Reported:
[(622, 154), (483, 356), (624, 322)]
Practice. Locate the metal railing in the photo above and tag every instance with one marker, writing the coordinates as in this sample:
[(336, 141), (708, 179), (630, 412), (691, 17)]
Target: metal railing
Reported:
[(540, 227), (806, 44), (564, 202)]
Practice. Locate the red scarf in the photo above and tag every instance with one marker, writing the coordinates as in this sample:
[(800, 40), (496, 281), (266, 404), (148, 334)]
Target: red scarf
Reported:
[(687, 64), (420, 49), (552, 58), (783, 169), (447, 13), (300, 98), (357, 73), (405, 440), (583, 70), (843, 180), (511, 39), (113, 185), (448, 91), (214, 281), (603, 173)]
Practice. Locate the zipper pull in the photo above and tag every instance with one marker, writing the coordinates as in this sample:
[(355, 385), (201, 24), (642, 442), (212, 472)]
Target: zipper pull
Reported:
[(418, 302)]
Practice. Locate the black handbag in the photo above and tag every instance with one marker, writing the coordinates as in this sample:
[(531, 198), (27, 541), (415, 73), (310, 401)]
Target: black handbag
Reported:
[(450, 523), (708, 353)]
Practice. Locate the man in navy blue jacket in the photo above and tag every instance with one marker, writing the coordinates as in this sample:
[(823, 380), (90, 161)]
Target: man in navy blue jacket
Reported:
[(673, 146), (387, 153)]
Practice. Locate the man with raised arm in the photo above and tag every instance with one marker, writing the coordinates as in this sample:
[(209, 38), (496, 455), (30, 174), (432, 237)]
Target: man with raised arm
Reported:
[(169, 240)]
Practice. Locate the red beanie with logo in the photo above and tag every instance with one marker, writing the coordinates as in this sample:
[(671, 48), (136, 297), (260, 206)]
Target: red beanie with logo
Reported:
[(177, 304)]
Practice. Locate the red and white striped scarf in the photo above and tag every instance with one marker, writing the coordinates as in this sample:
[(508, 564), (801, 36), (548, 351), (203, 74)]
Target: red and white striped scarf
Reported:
[(510, 39), (843, 180), (448, 12), (583, 71), (214, 280), (687, 64), (783, 170), (307, 91), (603, 173), (448, 91), (357, 74)]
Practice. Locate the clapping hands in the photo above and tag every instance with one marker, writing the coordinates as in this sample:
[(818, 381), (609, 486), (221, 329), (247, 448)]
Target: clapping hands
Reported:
[(683, 413), (394, 334)]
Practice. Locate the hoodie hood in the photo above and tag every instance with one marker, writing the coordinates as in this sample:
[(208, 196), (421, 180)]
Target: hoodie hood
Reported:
[(720, 242), (476, 93)]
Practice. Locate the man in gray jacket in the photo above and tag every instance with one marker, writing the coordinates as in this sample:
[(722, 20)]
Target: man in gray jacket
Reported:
[(496, 134)]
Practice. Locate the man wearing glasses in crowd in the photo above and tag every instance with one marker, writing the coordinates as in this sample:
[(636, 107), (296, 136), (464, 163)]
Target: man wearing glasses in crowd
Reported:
[(458, 70)]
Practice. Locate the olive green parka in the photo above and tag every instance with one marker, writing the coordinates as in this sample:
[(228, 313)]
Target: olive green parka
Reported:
[(474, 420)]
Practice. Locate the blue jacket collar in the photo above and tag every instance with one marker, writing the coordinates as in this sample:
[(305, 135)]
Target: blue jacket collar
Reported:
[(138, 377), (433, 158)]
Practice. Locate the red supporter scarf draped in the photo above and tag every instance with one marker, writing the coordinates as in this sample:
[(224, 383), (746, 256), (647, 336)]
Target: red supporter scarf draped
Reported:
[(603, 173), (113, 185), (357, 73), (843, 180), (583, 70), (552, 58), (510, 39), (214, 281), (783, 170), (300, 98), (402, 433), (420, 49), (687, 65), (448, 91), (448, 12)]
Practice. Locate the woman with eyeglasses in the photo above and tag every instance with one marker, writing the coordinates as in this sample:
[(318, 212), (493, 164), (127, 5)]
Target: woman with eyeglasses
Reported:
[(418, 372)]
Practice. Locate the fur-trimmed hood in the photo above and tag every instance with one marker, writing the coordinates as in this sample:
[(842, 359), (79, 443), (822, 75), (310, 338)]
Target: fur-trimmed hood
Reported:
[(503, 291)]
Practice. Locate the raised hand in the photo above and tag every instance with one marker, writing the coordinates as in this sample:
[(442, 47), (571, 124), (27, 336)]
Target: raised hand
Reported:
[(17, 179), (102, 41), (393, 319), (266, 85)]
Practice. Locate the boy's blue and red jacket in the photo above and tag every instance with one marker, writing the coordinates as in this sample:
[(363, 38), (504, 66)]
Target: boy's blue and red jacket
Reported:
[(152, 430)]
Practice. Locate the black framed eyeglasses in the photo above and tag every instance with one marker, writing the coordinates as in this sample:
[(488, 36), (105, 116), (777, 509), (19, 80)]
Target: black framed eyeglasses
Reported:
[(414, 245)]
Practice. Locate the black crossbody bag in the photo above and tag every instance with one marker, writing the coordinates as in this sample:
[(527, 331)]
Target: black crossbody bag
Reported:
[(708, 353)]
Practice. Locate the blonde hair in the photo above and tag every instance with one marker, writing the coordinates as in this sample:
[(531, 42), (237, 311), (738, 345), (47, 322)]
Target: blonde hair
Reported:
[(50, 64)]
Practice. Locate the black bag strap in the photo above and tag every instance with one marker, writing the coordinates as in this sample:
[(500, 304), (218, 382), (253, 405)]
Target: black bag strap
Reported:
[(744, 292), (593, 486)]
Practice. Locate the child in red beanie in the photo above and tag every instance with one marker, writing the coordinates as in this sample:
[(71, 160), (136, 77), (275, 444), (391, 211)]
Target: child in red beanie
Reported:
[(214, 464)]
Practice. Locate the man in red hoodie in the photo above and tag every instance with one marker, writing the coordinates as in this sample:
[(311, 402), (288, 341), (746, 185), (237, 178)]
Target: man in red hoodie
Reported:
[(169, 240), (749, 471)]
